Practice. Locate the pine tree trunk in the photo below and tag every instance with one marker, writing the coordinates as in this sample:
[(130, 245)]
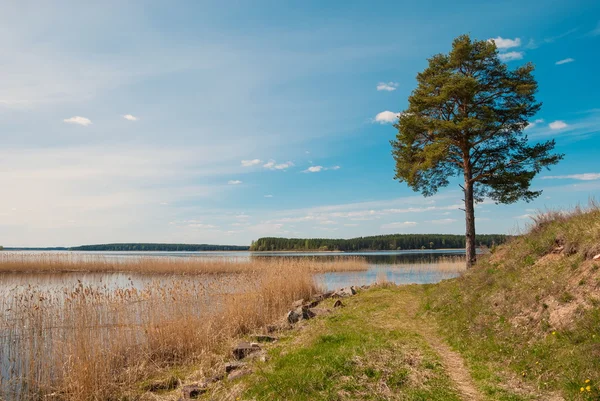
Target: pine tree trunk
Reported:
[(470, 221)]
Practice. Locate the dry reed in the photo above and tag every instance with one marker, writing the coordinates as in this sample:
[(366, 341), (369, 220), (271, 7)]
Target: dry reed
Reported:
[(23, 262), (96, 343)]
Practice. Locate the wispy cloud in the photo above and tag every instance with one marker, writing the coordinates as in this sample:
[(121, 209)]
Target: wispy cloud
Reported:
[(313, 169), (442, 221), (234, 182), (268, 196), (565, 61), (250, 163), (502, 43), (403, 224), (387, 86), (78, 120), (318, 169), (558, 124), (130, 117), (510, 56), (534, 123), (386, 117), (580, 177), (272, 165)]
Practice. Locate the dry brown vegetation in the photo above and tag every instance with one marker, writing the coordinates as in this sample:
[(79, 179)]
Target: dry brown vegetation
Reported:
[(97, 343), (73, 262)]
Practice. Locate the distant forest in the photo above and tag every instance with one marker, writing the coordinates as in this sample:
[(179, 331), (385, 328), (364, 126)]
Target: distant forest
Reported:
[(374, 243), (159, 247)]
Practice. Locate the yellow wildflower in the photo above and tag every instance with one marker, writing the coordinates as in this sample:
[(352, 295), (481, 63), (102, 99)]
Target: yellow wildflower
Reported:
[(587, 381), (582, 389), (588, 388)]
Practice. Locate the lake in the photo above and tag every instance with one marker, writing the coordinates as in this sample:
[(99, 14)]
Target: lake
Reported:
[(399, 267)]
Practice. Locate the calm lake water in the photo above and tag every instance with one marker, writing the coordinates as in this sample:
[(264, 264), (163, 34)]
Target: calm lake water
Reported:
[(400, 267)]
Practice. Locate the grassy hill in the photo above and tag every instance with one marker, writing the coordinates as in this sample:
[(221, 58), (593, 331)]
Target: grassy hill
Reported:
[(528, 316)]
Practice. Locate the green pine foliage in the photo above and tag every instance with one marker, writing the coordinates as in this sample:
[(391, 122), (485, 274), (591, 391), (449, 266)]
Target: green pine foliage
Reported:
[(374, 243)]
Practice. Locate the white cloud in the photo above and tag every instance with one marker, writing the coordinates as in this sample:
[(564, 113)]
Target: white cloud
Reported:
[(442, 221), (78, 120), (350, 225), (510, 56), (250, 163), (268, 196), (558, 124), (313, 169), (402, 224), (534, 123), (502, 43), (234, 182), (130, 117), (580, 177), (596, 31), (200, 225), (327, 222), (387, 86), (272, 165), (565, 61), (317, 169), (386, 117)]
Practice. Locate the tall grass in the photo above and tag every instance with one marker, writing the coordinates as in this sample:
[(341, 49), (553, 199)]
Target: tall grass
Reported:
[(96, 343), (23, 262)]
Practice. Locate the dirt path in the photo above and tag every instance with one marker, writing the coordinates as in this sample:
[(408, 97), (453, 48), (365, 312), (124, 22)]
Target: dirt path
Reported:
[(406, 313)]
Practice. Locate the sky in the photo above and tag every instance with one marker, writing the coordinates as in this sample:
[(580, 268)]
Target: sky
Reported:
[(221, 122)]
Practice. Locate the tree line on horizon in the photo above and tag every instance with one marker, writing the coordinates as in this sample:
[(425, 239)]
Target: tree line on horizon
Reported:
[(374, 243), (159, 247)]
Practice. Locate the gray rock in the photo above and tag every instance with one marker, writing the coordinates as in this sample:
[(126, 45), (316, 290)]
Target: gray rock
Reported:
[(239, 373), (338, 304), (297, 304), (320, 311), (244, 349), (230, 367), (313, 304), (344, 292), (293, 317), (597, 257), (192, 391), (307, 313)]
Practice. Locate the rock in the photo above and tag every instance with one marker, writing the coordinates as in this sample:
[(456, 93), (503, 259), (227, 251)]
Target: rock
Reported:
[(192, 391), (597, 257), (244, 349), (230, 367), (338, 304), (239, 373), (320, 311), (365, 287), (344, 292), (307, 313), (262, 338), (313, 304), (212, 379), (293, 317), (297, 304), (272, 328)]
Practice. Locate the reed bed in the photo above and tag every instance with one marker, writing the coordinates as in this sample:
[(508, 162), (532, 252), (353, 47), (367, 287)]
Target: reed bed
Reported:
[(97, 343), (24, 262)]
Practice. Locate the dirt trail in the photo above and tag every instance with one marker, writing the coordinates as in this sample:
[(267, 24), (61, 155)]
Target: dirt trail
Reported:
[(406, 313)]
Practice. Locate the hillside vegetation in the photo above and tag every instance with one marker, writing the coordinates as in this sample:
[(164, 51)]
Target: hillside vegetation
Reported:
[(527, 318), (374, 243)]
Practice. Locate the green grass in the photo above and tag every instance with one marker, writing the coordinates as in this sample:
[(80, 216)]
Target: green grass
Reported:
[(354, 355), (528, 318)]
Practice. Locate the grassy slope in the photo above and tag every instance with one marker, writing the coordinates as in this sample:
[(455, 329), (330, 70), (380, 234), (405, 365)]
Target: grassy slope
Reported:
[(526, 319), (365, 351)]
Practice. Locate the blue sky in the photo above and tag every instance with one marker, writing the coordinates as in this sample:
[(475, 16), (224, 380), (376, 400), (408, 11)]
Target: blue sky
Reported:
[(220, 122)]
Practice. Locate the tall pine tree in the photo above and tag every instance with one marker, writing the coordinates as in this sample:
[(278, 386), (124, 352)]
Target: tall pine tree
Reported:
[(466, 118)]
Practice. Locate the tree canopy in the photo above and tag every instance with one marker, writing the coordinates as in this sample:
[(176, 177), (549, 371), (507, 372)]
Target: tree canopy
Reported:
[(467, 118)]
